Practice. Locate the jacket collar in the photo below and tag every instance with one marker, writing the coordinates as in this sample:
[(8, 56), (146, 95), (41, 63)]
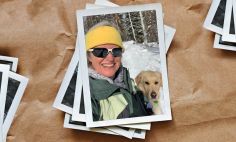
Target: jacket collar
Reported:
[(105, 86)]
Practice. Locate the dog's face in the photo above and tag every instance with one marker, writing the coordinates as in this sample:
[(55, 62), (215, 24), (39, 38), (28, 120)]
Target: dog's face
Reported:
[(149, 82)]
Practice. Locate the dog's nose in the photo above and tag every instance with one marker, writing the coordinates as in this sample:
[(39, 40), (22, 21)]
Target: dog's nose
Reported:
[(153, 95)]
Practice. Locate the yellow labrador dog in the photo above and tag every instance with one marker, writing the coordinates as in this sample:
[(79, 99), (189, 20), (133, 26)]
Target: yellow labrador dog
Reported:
[(150, 82)]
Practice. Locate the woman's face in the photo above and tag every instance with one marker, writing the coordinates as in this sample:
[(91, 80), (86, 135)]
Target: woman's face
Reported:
[(108, 65)]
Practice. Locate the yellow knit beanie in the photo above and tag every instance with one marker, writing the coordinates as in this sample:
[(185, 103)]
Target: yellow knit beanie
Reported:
[(103, 35)]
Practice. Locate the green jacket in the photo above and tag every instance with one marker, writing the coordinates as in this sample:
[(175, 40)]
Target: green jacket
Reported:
[(110, 101)]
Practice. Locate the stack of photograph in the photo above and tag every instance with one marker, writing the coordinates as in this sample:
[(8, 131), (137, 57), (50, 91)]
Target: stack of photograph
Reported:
[(221, 20), (117, 82), (12, 87)]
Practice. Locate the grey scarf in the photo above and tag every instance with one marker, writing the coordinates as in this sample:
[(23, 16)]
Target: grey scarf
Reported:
[(118, 80)]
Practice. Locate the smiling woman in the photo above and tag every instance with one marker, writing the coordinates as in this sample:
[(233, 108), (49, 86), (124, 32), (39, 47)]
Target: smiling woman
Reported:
[(113, 93), (103, 62)]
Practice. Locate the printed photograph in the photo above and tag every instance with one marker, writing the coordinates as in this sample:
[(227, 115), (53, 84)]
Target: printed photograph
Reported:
[(215, 17), (123, 63), (220, 44), (138, 39), (15, 90), (169, 34), (11, 61), (65, 96)]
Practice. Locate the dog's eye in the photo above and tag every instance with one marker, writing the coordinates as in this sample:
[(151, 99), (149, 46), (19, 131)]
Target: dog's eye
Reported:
[(156, 82), (146, 82)]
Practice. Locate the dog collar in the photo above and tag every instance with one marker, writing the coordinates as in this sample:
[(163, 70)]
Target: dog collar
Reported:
[(155, 103)]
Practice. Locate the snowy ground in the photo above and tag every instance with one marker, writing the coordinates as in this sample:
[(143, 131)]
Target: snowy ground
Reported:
[(138, 57)]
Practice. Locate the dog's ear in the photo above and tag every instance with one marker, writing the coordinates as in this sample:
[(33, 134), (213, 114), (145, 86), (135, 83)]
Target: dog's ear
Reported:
[(138, 78)]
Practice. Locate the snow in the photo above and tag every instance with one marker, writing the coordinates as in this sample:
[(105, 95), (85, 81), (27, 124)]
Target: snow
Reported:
[(139, 57)]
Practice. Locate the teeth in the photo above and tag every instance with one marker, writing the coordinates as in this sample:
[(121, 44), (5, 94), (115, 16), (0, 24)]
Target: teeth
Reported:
[(108, 65)]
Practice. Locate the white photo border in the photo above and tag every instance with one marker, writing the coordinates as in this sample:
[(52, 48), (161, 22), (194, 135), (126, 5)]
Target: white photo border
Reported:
[(211, 13), (83, 59), (16, 101), (226, 36), (234, 11), (11, 59)]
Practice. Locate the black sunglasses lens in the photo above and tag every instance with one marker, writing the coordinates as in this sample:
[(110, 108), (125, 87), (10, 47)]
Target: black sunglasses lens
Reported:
[(103, 52), (100, 52), (117, 52)]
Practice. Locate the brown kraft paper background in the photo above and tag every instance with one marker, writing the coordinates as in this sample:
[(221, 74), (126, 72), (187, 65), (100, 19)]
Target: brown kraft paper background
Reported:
[(202, 80)]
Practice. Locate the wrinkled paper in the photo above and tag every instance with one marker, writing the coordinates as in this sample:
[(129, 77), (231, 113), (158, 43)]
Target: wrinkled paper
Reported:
[(202, 80)]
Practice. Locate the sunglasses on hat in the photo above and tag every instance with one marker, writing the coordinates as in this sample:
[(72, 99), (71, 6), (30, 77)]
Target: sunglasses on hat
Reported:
[(103, 52)]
